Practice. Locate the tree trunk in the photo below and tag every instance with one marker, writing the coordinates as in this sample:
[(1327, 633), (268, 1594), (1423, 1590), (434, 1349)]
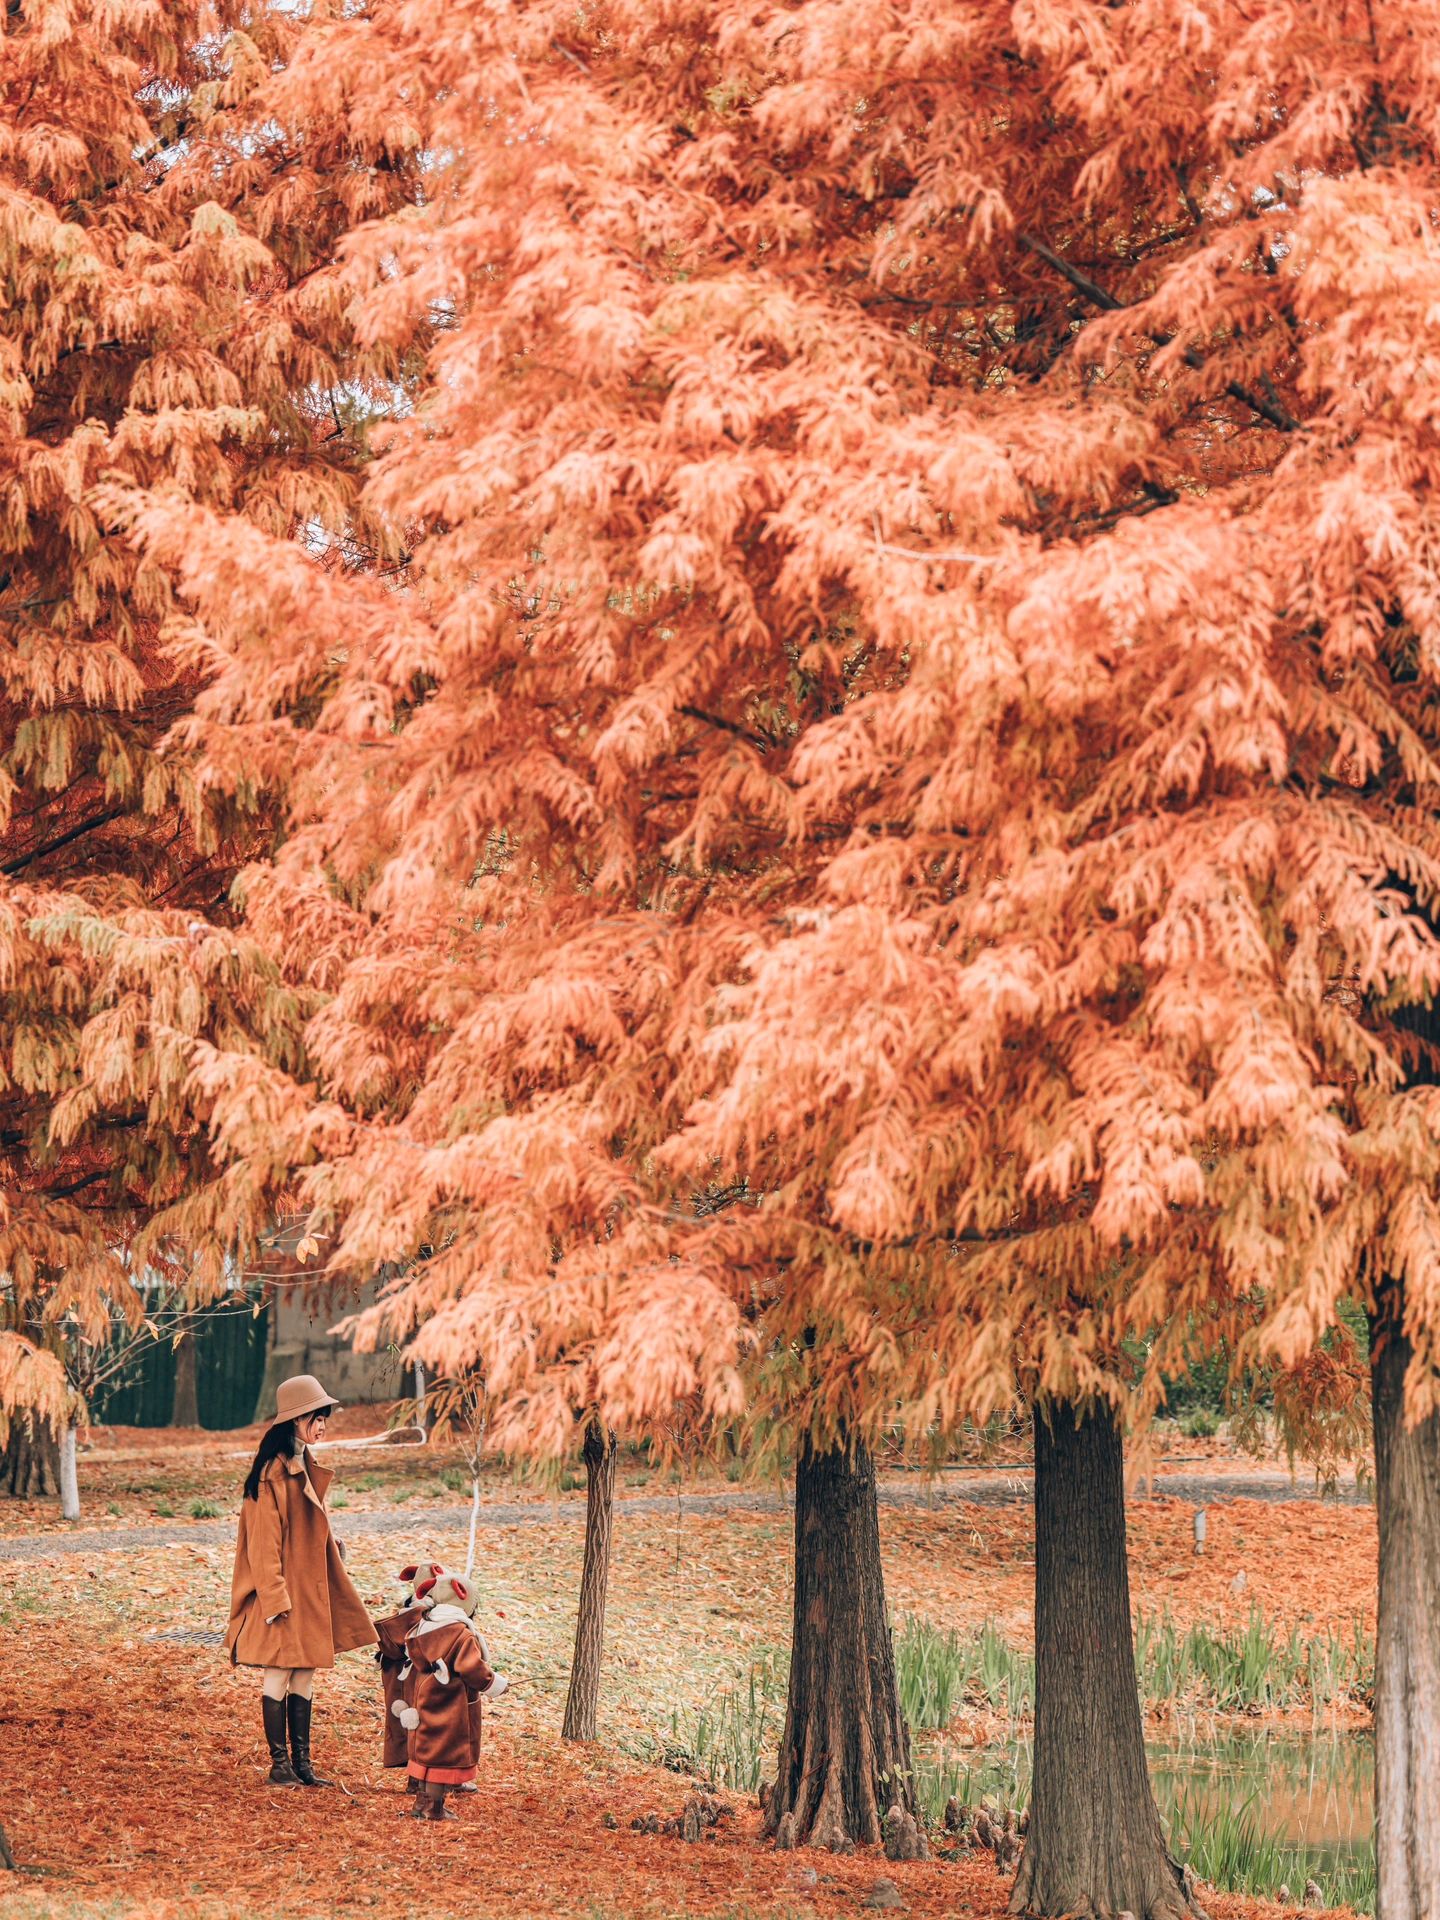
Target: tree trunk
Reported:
[(69, 1476), (7, 1857), (1407, 1638), (584, 1696), (30, 1464), (185, 1407), (1095, 1845), (845, 1752)]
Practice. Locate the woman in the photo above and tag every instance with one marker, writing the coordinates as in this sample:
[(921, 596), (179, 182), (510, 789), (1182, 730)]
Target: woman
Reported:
[(292, 1605)]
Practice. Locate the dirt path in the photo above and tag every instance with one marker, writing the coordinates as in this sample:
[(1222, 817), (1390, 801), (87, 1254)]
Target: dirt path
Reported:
[(997, 1487)]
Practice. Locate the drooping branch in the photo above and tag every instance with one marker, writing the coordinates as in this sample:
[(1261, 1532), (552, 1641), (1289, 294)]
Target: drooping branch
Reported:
[(1271, 410)]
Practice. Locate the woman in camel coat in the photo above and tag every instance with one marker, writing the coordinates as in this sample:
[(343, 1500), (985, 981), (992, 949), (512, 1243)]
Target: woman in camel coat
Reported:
[(292, 1604)]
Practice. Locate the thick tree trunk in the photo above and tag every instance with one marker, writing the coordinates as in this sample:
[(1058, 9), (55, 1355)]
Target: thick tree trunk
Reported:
[(1407, 1639), (845, 1752), (1095, 1845), (185, 1407), (30, 1464), (584, 1697)]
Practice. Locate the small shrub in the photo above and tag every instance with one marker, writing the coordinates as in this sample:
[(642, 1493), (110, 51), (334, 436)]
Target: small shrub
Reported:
[(339, 1504), (113, 1508), (454, 1480), (164, 1509), (367, 1483), (204, 1510), (401, 1495), (1201, 1423)]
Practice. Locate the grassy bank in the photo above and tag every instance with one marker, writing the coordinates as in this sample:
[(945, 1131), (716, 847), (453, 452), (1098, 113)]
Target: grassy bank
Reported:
[(1185, 1675)]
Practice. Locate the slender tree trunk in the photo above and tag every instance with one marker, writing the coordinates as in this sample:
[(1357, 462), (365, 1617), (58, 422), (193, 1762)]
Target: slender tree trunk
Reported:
[(1407, 1640), (1095, 1845), (30, 1464), (185, 1407), (584, 1696), (69, 1475), (845, 1752), (7, 1857)]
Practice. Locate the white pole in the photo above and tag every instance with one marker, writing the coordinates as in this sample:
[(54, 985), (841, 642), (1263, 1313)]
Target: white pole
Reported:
[(474, 1523), (69, 1476)]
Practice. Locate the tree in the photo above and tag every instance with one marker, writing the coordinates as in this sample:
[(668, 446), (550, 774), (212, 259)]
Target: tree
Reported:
[(916, 679), (582, 1700)]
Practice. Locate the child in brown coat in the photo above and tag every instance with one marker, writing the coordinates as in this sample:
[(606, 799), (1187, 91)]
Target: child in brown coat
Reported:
[(449, 1675)]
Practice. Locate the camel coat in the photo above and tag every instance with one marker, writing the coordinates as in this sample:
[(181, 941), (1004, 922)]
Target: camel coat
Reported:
[(287, 1561)]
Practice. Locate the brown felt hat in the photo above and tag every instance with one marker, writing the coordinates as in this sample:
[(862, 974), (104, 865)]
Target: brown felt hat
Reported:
[(304, 1394)]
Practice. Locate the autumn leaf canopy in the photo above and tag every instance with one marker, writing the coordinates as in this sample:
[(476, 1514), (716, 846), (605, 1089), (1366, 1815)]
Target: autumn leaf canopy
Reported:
[(853, 762)]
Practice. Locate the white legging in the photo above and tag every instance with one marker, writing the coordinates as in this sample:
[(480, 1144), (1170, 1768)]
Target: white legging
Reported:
[(282, 1680)]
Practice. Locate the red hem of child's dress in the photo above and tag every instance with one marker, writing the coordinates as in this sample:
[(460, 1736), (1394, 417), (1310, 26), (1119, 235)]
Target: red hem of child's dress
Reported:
[(441, 1776)]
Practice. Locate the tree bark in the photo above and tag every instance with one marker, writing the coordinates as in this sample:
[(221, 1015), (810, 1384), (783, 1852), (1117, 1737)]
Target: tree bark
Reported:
[(583, 1698), (185, 1407), (7, 1857), (30, 1464), (1095, 1845), (845, 1752), (1407, 1638)]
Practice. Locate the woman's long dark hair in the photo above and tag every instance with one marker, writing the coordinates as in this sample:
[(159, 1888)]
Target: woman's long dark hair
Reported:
[(277, 1442)]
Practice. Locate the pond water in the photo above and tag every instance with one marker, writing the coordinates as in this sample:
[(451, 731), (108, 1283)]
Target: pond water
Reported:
[(1317, 1790)]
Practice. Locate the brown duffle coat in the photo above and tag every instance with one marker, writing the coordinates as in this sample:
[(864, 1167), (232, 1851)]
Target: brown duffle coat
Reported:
[(394, 1656), (287, 1562), (445, 1746)]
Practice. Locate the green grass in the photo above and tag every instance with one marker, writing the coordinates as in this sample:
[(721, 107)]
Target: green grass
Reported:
[(164, 1509), (938, 1672), (454, 1480), (203, 1510), (1254, 1668), (1201, 1423)]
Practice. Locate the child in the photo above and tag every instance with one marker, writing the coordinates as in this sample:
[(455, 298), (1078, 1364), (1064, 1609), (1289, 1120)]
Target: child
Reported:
[(394, 1661), (449, 1675)]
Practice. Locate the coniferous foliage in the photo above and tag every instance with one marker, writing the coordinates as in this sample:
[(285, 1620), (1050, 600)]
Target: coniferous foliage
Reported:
[(170, 323)]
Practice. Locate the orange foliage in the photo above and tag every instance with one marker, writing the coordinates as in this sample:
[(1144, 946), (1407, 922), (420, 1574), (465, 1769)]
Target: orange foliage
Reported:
[(917, 676)]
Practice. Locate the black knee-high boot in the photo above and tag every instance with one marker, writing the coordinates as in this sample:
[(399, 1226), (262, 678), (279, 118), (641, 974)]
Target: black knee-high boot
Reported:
[(282, 1774), (298, 1708)]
